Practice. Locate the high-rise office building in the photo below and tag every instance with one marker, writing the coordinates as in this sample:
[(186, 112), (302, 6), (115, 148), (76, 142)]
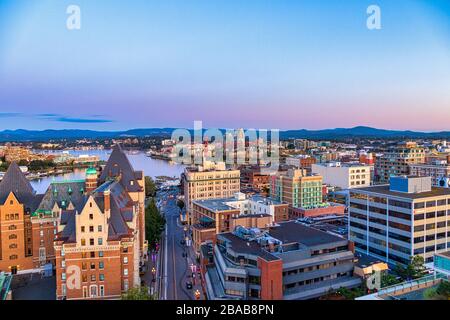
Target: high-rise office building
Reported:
[(406, 218)]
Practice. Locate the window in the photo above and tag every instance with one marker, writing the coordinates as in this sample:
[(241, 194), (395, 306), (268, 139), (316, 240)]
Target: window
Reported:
[(101, 265), (91, 216), (12, 236), (91, 228), (125, 260), (92, 266), (102, 291), (63, 263), (83, 242), (125, 285), (92, 254), (93, 278), (84, 266), (91, 242), (99, 228), (13, 257), (100, 241), (101, 277), (100, 254), (63, 276), (93, 291), (125, 272), (83, 229), (84, 278)]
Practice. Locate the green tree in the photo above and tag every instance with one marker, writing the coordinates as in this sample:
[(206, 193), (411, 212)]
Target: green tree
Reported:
[(154, 224), (138, 293), (389, 280), (414, 270), (150, 187)]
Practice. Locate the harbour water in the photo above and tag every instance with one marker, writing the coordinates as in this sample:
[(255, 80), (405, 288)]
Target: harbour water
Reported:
[(139, 161)]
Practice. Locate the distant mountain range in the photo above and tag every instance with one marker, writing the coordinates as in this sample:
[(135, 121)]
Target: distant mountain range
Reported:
[(338, 133)]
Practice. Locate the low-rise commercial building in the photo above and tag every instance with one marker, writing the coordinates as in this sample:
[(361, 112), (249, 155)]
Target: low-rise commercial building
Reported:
[(287, 261), (214, 216), (343, 175)]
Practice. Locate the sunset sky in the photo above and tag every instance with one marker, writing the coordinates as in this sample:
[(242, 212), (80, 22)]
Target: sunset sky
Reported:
[(250, 63)]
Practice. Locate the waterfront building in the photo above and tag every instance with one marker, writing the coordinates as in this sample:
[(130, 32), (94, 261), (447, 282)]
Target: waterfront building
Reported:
[(343, 175), (406, 218), (101, 234), (214, 216), (397, 161), (209, 181), (288, 261)]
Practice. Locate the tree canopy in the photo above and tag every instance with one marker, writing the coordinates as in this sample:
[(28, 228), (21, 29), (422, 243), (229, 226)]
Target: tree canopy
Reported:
[(150, 187), (138, 293), (154, 224)]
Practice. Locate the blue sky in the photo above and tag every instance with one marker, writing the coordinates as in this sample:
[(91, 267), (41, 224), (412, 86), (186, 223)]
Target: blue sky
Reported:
[(255, 63)]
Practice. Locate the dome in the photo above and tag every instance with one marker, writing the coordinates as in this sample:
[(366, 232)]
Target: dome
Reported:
[(91, 171)]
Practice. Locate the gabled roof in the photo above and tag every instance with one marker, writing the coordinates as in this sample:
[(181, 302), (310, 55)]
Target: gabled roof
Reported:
[(16, 182), (64, 193), (119, 165)]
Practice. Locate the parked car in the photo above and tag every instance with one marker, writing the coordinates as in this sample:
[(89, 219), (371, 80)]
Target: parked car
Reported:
[(189, 285)]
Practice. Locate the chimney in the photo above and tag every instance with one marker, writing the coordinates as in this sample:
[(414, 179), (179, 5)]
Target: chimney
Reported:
[(107, 199)]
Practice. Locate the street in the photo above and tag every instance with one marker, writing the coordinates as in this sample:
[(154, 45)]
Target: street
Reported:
[(173, 264)]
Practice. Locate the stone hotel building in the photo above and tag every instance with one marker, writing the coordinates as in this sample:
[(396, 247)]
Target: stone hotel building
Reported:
[(91, 230)]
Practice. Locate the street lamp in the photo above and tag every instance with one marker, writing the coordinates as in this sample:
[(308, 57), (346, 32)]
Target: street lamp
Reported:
[(153, 273)]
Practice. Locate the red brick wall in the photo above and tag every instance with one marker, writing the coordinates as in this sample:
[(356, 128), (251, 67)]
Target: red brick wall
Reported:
[(271, 279), (113, 272), (302, 213)]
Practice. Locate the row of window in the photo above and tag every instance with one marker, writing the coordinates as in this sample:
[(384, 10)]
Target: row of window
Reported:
[(91, 228), (92, 242), (12, 216)]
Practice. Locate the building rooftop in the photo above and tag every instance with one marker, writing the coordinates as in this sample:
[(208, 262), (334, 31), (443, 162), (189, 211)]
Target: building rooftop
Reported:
[(288, 233), (385, 190), (223, 204), (291, 231)]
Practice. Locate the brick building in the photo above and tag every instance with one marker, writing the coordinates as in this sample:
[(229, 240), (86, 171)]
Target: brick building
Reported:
[(100, 242)]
